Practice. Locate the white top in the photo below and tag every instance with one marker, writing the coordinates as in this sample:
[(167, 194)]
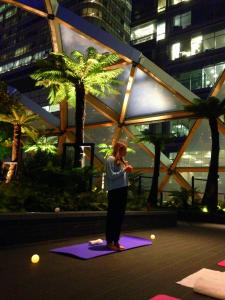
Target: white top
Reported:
[(116, 177)]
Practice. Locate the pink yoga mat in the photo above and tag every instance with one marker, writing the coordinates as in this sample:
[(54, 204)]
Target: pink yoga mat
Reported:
[(221, 263), (163, 297)]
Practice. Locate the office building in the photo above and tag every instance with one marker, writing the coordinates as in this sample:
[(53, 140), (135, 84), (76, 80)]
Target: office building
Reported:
[(184, 37)]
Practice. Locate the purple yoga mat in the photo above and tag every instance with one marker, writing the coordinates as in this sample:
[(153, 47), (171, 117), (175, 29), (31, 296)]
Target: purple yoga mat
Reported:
[(87, 251)]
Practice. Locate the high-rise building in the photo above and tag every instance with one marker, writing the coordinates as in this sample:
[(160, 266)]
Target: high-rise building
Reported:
[(185, 37), (113, 16), (25, 37)]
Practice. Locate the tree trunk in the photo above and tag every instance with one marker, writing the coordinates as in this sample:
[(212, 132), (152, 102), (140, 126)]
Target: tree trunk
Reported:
[(210, 197), (79, 114), (153, 195), (15, 152)]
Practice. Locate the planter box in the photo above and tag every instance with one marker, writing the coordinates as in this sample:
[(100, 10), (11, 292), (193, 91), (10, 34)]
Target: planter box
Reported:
[(32, 227)]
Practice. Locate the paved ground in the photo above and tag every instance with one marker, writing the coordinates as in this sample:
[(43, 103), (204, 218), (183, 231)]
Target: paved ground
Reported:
[(136, 274)]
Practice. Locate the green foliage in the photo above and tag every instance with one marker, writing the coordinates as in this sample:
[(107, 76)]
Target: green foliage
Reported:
[(208, 108), (62, 74), (42, 144), (182, 198), (155, 139)]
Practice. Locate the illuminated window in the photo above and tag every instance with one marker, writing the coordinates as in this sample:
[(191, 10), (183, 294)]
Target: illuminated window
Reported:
[(161, 5), (201, 78), (183, 20), (174, 2), (196, 45), (91, 12), (142, 33), (220, 39), (161, 31), (208, 41), (175, 51)]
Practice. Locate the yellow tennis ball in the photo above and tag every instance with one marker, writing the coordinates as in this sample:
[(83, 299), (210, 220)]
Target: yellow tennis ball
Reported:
[(152, 236), (35, 258)]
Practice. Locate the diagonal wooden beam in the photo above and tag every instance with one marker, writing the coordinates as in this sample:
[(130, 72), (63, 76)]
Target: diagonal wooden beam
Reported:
[(181, 181), (127, 94), (98, 125), (26, 7), (117, 134), (164, 182), (102, 108), (158, 118), (221, 126), (120, 64), (186, 143), (218, 85), (54, 26)]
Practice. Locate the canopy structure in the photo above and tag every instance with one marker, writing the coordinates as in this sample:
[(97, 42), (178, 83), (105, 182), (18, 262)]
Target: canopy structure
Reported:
[(148, 95)]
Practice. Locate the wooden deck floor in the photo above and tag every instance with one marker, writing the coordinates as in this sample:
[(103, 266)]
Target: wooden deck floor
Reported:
[(136, 274)]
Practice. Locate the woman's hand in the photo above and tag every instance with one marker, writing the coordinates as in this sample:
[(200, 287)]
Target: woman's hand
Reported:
[(128, 169)]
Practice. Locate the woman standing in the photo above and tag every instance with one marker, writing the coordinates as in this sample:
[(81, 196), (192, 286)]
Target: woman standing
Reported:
[(117, 183)]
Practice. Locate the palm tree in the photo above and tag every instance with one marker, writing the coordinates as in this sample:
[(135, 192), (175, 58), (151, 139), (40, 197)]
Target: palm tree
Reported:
[(72, 77), (6, 130), (159, 141), (211, 109), (21, 120)]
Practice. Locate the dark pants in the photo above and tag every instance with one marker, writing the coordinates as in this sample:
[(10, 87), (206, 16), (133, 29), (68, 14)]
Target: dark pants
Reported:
[(117, 200)]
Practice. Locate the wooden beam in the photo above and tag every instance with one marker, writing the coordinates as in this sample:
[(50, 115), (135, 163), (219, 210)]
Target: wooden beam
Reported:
[(158, 118), (218, 85), (197, 169), (54, 27), (120, 64), (181, 181), (117, 134), (148, 170), (127, 94), (164, 182), (186, 143), (102, 108), (98, 125)]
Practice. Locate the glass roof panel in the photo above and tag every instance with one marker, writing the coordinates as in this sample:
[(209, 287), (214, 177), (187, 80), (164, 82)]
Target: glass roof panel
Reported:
[(100, 135), (37, 4), (93, 116), (198, 152), (135, 130), (171, 185), (115, 102), (139, 159), (200, 180), (148, 97), (72, 40)]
